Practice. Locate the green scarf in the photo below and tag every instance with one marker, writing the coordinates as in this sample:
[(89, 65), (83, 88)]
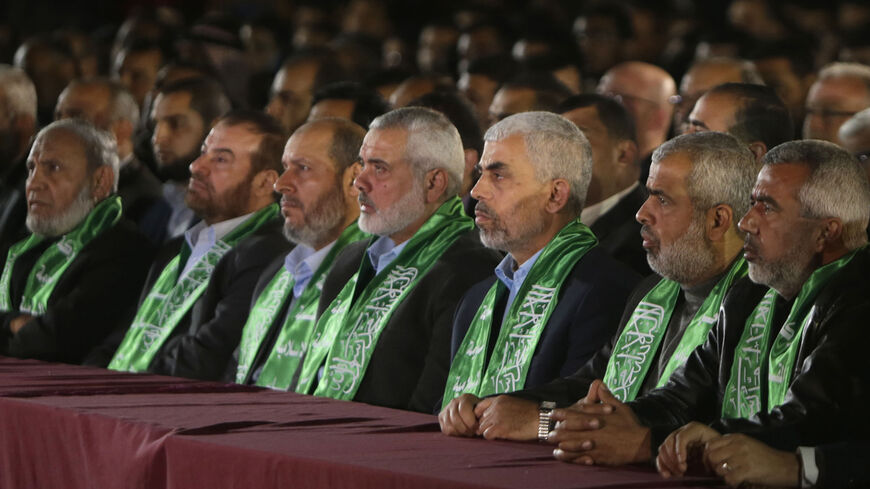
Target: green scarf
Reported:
[(170, 299), (56, 259), (348, 331), (293, 339), (636, 347), (742, 397), (522, 327)]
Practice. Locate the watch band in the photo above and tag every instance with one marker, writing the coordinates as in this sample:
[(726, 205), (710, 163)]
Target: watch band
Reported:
[(545, 422)]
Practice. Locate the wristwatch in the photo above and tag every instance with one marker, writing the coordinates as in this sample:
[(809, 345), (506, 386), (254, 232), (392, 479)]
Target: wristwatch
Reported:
[(545, 423)]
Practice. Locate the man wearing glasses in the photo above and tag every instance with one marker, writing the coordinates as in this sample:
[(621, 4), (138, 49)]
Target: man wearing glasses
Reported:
[(842, 90)]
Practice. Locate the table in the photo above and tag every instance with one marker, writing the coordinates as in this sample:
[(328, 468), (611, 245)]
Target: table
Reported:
[(66, 426)]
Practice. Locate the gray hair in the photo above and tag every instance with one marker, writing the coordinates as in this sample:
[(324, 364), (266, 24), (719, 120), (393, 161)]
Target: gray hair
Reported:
[(19, 91), (433, 142), (556, 146), (723, 170), (841, 70), (100, 147), (856, 124), (837, 185)]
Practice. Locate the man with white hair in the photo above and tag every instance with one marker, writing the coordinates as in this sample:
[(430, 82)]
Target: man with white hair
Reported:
[(383, 337), (110, 107), (698, 184), (789, 368), (17, 127), (796, 374), (557, 296), (80, 271), (841, 91)]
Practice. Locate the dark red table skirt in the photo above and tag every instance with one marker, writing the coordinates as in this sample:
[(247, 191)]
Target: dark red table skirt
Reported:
[(64, 426)]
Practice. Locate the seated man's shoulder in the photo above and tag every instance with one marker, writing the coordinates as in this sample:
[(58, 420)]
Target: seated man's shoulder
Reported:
[(599, 269)]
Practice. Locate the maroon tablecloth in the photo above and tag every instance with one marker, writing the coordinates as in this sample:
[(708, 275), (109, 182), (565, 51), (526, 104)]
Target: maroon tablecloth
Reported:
[(70, 427)]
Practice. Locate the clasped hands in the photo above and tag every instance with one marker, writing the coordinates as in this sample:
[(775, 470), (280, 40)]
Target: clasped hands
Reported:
[(598, 429)]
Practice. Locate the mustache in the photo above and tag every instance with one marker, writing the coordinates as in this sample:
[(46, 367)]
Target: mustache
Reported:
[(363, 199), (646, 233), (481, 208), (290, 202)]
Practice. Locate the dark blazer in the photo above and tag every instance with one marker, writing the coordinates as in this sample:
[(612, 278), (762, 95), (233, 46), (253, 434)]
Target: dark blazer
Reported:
[(13, 206), (830, 383), (589, 305), (203, 341), (408, 368), (142, 195), (618, 232), (843, 465), (94, 294), (271, 336)]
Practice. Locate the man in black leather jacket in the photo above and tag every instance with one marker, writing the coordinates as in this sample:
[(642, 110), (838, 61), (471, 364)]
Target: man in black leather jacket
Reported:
[(795, 227)]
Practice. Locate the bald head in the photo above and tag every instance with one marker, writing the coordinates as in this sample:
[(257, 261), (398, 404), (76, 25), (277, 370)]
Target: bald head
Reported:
[(644, 90)]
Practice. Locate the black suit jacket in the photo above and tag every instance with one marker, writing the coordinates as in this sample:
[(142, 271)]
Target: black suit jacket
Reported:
[(94, 294), (13, 206), (618, 232), (202, 343), (408, 368), (142, 195), (829, 391), (204, 340), (589, 305), (843, 465)]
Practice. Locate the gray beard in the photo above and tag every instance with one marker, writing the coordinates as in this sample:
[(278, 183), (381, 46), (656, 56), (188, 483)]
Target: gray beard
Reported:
[(55, 226), (687, 258), (386, 222), (325, 216)]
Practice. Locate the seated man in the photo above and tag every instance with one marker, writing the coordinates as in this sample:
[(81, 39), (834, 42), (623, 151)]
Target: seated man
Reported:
[(66, 285), (788, 369), (614, 194), (385, 336), (110, 107), (698, 183), (320, 211), (199, 290), (751, 113), (556, 297)]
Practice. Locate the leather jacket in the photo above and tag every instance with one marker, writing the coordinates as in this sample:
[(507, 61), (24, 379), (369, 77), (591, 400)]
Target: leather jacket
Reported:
[(830, 387)]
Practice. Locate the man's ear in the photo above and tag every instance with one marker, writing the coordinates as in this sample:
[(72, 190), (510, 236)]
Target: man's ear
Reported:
[(720, 219), (759, 149), (102, 182), (347, 179), (435, 185), (263, 183), (832, 232), (626, 153), (560, 193)]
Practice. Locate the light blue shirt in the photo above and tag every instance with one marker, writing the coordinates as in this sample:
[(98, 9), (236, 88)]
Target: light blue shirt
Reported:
[(383, 251), (513, 279), (302, 262), (180, 215), (202, 238)]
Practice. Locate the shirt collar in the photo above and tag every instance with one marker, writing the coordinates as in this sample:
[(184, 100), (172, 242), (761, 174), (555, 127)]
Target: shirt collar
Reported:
[(211, 234), (514, 278), (591, 214), (302, 262), (383, 251)]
